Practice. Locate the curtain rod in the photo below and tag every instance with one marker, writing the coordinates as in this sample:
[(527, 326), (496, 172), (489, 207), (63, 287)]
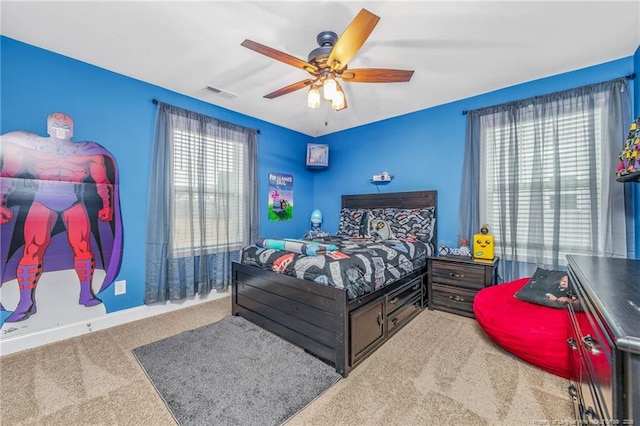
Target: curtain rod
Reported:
[(155, 102), (628, 77)]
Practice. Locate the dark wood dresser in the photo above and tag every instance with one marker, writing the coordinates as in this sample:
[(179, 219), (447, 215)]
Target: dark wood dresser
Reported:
[(453, 282), (605, 340)]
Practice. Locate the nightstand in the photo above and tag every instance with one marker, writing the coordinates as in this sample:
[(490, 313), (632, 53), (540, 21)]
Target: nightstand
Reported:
[(454, 281)]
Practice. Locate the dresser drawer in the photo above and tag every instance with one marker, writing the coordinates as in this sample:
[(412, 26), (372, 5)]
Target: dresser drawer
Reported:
[(404, 313), (598, 364), (459, 274), (596, 371), (589, 409), (401, 296), (460, 300)]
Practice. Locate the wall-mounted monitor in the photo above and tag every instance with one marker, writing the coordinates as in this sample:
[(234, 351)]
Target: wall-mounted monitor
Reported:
[(317, 155)]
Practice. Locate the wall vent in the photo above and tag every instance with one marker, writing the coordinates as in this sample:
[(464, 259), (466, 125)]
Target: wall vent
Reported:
[(221, 92)]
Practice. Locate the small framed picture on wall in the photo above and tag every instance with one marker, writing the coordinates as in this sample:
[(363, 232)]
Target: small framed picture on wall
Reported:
[(317, 155)]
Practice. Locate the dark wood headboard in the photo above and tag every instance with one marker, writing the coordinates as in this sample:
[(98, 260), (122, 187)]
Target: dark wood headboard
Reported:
[(408, 200)]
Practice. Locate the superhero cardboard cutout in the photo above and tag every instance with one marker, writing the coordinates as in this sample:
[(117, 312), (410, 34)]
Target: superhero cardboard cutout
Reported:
[(59, 210)]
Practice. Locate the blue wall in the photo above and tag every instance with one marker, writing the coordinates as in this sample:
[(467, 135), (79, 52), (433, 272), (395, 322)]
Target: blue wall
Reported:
[(636, 186), (118, 113), (636, 67), (425, 149)]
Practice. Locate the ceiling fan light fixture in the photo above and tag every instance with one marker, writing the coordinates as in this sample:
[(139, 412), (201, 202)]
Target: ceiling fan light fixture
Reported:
[(313, 97), (330, 88)]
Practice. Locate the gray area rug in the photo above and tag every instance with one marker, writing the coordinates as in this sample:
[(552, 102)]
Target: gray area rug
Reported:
[(233, 372)]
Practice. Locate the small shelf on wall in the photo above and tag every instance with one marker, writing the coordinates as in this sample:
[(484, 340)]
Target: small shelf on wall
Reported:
[(381, 181), (381, 178), (635, 177)]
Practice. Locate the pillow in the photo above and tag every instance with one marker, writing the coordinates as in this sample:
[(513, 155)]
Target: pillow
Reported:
[(351, 222), (406, 223), (547, 288), (380, 229), (369, 216), (412, 223)]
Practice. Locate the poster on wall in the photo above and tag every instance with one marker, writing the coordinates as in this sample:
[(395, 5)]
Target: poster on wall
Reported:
[(280, 197), (60, 228)]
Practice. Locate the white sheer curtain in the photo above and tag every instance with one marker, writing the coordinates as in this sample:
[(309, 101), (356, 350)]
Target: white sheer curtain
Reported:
[(202, 203), (541, 173)]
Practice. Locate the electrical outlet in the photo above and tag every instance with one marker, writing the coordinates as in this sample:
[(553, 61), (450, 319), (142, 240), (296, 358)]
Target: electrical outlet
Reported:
[(121, 287)]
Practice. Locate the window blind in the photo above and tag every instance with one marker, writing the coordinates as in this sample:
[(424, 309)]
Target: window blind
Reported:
[(550, 163), (208, 176)]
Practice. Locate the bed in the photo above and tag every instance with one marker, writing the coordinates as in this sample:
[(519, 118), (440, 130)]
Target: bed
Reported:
[(342, 324)]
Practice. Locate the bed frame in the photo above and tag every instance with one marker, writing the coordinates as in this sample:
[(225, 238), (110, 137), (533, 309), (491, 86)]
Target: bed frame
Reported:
[(321, 319)]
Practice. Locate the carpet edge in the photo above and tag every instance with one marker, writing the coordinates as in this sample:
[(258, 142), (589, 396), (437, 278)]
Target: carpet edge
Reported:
[(311, 402), (154, 387)]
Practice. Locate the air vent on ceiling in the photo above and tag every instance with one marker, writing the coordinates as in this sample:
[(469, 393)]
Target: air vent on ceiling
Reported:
[(221, 92)]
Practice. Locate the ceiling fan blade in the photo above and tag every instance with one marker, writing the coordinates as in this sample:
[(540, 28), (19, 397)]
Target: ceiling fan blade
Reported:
[(291, 88), (352, 39), (376, 75), (279, 56)]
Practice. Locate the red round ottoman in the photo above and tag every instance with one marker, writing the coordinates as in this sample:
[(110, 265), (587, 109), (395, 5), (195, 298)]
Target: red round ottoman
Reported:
[(537, 334)]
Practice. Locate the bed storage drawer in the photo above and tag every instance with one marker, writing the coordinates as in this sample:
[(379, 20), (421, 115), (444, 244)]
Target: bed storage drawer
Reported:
[(401, 296), (404, 314)]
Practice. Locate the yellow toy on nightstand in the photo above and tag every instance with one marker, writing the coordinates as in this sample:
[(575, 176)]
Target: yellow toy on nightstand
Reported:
[(483, 244)]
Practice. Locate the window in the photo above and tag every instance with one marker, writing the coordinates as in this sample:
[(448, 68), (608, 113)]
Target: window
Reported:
[(541, 173), (542, 181), (209, 212), (203, 204)]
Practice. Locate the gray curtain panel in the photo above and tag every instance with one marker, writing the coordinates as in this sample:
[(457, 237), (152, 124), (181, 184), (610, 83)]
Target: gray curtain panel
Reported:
[(469, 215), (203, 203), (541, 173)]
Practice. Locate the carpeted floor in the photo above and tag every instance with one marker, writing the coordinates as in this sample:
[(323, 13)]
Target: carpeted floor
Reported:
[(439, 370), (442, 370)]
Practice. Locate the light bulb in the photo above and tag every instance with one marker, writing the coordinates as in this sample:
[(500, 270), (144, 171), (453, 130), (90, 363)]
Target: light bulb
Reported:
[(313, 97), (330, 88), (338, 101)]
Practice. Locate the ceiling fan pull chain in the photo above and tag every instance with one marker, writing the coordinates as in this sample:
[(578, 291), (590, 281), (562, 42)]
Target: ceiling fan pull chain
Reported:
[(326, 114)]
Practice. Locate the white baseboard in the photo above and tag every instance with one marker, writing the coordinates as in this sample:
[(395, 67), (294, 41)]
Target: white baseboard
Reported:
[(43, 337)]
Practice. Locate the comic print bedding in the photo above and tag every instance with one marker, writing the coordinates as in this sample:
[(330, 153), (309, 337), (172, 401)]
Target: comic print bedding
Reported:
[(359, 265)]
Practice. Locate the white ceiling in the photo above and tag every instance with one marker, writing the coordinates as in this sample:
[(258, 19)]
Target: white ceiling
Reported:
[(457, 49)]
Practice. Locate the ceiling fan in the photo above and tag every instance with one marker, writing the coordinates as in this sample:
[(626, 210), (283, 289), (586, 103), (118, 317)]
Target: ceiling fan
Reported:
[(328, 63)]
